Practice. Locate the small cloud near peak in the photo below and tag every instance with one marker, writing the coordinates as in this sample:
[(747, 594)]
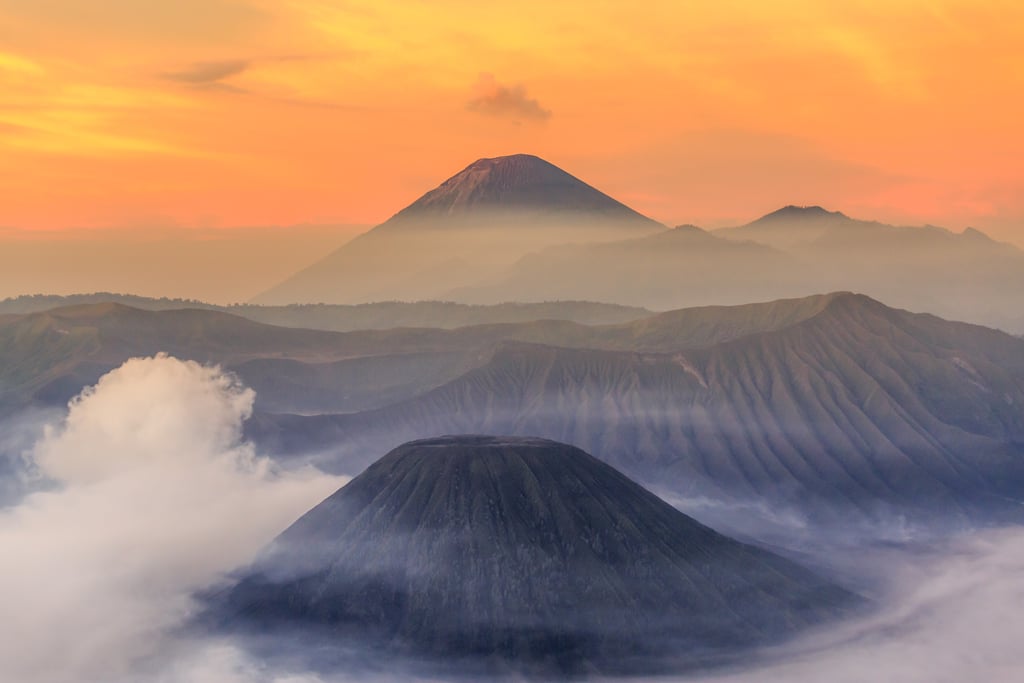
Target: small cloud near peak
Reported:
[(492, 98)]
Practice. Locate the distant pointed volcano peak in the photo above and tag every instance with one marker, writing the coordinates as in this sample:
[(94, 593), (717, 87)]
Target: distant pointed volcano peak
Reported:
[(517, 184), (522, 160), (812, 212)]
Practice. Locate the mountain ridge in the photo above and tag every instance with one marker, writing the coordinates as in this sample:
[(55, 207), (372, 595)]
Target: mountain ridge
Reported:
[(53, 354), (792, 252), (847, 416)]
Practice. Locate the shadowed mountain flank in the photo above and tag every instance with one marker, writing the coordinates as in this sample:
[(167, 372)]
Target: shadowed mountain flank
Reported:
[(50, 356), (519, 555), (852, 414)]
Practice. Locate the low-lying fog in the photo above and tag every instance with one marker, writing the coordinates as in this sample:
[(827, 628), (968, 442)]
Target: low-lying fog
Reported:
[(150, 261), (144, 493)]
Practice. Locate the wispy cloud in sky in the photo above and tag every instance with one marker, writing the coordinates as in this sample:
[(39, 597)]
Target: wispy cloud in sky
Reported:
[(208, 73), (509, 101)]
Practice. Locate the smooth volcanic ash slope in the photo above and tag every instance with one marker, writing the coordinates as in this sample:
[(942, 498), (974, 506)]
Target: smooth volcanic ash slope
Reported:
[(479, 220), (504, 554)]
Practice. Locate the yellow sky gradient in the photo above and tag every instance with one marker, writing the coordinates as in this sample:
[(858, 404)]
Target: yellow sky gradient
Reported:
[(257, 112)]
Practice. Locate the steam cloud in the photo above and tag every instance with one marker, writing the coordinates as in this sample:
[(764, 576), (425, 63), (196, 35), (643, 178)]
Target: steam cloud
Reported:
[(144, 494)]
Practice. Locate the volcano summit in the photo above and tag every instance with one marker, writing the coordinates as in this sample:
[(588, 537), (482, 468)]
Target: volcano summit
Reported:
[(483, 218), (521, 184)]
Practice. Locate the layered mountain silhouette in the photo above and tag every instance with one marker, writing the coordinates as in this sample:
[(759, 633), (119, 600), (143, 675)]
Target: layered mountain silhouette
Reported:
[(483, 218), (793, 226), (517, 228), (517, 555), (47, 357), (792, 252), (685, 266), (965, 276), (833, 407)]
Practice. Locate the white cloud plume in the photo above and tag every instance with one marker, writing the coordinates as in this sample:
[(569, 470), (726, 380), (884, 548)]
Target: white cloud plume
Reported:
[(147, 494)]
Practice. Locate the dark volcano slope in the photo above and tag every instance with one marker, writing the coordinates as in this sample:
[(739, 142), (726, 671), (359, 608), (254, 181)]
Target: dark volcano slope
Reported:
[(855, 413), (498, 554)]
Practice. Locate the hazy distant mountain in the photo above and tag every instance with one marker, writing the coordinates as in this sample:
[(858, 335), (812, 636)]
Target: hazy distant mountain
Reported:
[(519, 229), (215, 264), (964, 276), (341, 318), (845, 411), (792, 226), (795, 251), (483, 218), (496, 554), (677, 268)]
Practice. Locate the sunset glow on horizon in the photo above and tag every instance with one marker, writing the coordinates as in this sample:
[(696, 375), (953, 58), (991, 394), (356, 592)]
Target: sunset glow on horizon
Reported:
[(220, 113)]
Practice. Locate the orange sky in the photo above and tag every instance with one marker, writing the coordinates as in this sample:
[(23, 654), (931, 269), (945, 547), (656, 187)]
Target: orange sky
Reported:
[(256, 112)]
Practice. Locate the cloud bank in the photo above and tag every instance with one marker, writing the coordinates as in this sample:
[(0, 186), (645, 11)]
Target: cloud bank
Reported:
[(208, 73), (948, 615), (144, 494)]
